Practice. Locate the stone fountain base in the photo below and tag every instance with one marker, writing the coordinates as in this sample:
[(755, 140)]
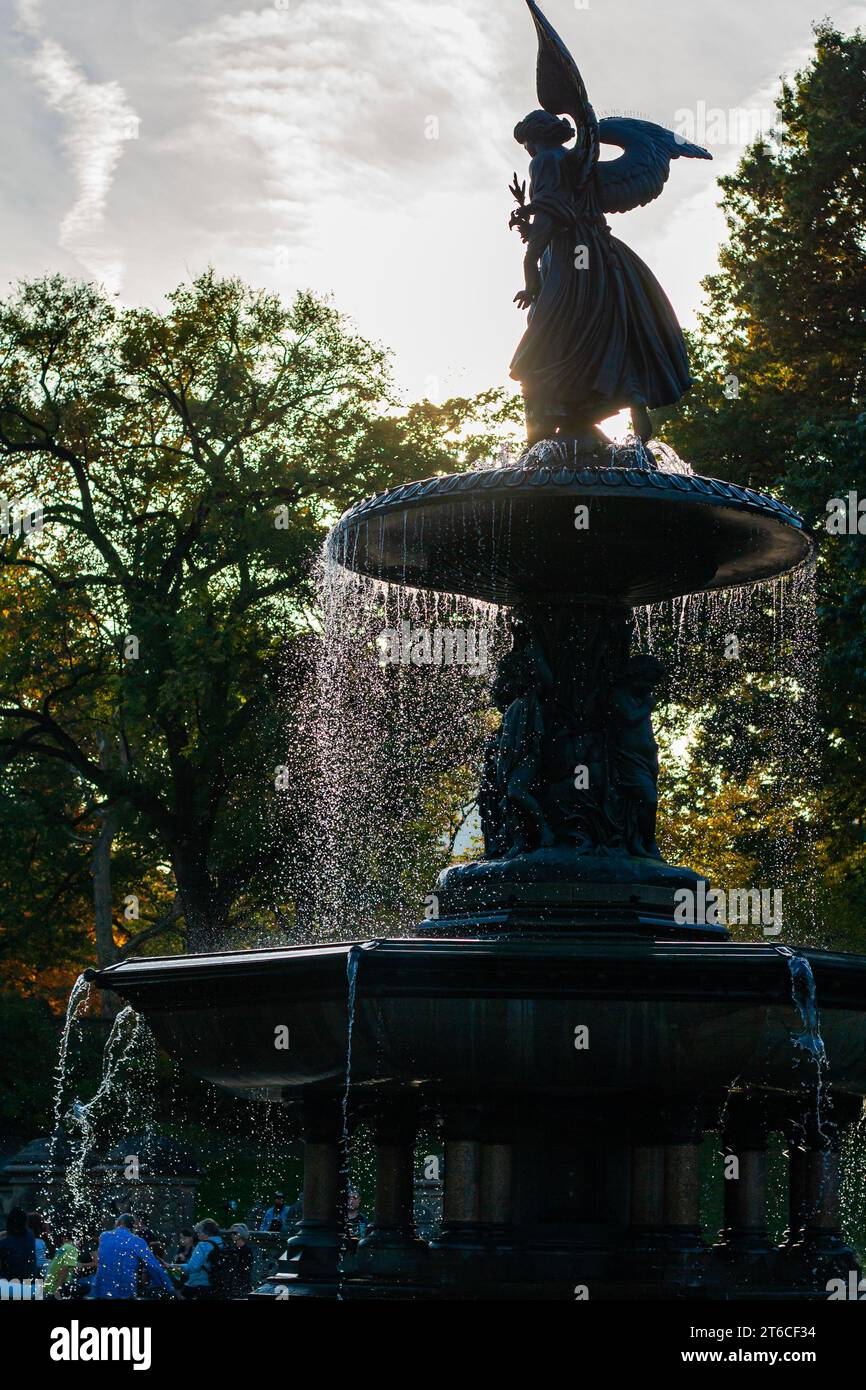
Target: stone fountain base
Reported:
[(570, 1041), (572, 1080)]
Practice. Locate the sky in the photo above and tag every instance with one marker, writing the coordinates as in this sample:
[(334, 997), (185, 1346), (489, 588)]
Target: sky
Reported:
[(359, 148)]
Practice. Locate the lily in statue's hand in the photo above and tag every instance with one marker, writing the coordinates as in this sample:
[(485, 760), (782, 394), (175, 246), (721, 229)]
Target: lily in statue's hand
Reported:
[(525, 298), (521, 222)]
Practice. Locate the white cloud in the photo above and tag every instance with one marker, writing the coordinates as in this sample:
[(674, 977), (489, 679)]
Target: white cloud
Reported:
[(337, 108), (98, 120), (30, 15), (288, 146)]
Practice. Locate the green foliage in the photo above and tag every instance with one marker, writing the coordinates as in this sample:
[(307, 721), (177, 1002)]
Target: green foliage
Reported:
[(189, 464), (786, 316), (28, 1037), (786, 312)]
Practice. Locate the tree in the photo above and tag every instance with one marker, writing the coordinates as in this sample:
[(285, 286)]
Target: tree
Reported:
[(782, 337), (780, 354), (188, 464)]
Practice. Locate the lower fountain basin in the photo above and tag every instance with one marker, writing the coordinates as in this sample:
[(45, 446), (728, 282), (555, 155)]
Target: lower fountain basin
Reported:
[(514, 535), (447, 1016)]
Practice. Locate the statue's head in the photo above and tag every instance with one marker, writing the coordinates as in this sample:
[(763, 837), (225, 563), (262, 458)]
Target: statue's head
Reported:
[(542, 130)]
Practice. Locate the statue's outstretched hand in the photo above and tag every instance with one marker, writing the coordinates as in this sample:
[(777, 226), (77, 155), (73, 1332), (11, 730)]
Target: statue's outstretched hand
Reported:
[(524, 299)]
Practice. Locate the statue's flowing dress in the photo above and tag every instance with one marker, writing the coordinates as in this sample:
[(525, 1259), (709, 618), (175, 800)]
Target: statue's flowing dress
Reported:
[(601, 337)]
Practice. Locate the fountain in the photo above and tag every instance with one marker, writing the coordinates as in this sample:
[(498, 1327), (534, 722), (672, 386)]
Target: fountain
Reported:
[(572, 1030)]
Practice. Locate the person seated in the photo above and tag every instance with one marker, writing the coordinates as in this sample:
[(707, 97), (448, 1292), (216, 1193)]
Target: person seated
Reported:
[(18, 1248), (186, 1245), (59, 1282), (39, 1229), (277, 1216)]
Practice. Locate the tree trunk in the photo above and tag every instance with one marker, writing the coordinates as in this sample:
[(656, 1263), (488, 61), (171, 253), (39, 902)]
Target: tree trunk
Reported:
[(205, 914), (103, 916)]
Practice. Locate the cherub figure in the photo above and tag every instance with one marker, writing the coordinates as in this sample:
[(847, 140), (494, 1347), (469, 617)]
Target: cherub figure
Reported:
[(634, 754), (602, 334), (523, 684)]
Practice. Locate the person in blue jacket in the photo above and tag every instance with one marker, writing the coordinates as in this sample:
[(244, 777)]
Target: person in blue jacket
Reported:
[(280, 1216), (202, 1267), (121, 1254)]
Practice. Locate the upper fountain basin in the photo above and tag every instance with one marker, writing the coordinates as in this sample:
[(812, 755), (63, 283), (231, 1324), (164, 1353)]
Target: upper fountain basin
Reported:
[(518, 535)]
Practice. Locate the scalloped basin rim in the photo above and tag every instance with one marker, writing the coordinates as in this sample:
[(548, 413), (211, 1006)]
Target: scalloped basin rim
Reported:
[(510, 535), (442, 486)]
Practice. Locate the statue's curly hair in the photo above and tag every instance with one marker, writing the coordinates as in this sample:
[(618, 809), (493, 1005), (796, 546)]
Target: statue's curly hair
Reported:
[(540, 127)]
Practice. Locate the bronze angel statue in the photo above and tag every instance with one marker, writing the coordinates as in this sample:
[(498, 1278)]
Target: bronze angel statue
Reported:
[(601, 334)]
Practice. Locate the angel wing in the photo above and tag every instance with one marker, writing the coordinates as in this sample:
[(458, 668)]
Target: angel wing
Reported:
[(641, 172), (560, 85)]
